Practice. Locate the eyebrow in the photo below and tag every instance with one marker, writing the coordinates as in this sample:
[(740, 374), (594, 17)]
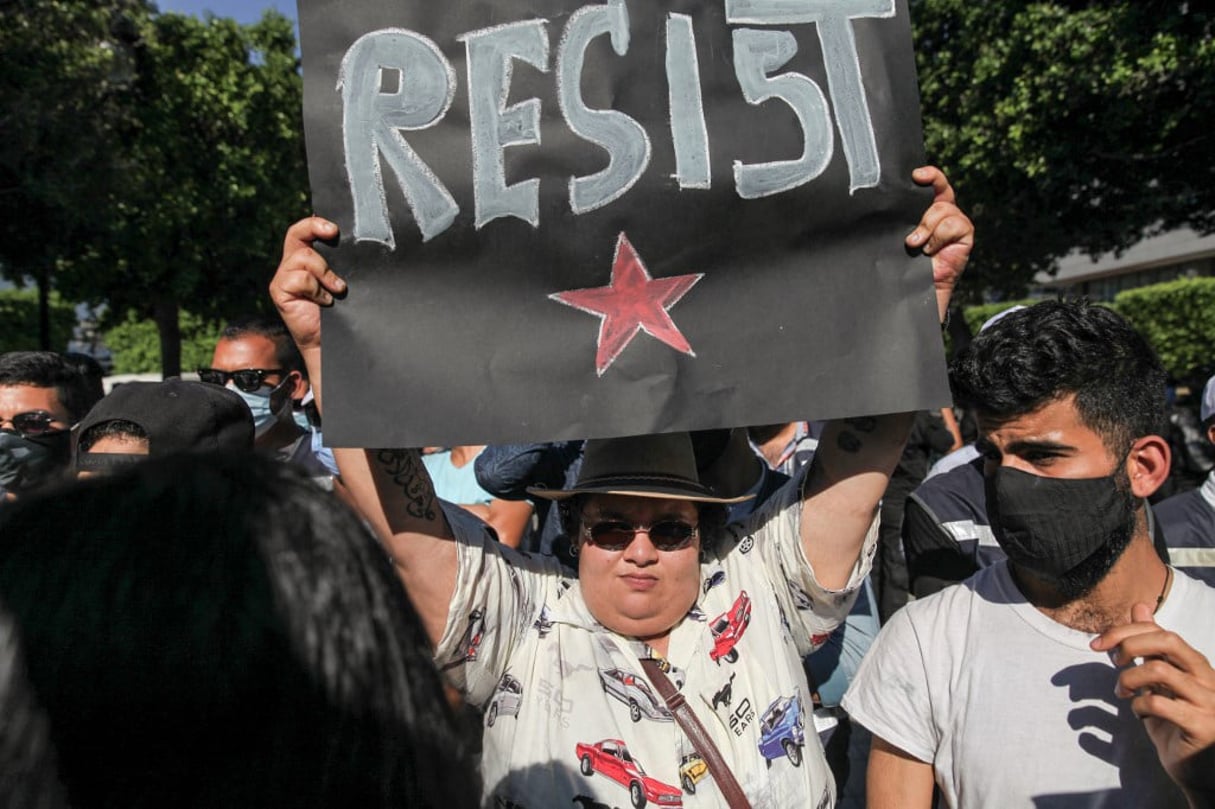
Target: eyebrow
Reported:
[(1028, 444)]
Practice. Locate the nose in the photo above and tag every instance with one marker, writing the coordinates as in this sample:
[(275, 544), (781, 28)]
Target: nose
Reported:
[(641, 550)]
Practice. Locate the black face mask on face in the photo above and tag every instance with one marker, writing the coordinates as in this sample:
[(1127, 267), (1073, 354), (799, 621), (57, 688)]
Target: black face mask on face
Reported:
[(27, 462), (1066, 530)]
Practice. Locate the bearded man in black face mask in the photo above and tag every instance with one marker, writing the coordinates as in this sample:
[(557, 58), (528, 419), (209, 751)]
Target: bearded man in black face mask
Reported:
[(41, 396), (1076, 673)]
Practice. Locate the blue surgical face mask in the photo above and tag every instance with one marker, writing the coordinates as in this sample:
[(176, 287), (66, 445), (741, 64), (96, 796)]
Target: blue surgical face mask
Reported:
[(268, 405), (301, 419), (304, 413)]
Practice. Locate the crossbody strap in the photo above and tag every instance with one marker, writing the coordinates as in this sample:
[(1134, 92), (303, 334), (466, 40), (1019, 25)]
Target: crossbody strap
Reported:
[(697, 735)]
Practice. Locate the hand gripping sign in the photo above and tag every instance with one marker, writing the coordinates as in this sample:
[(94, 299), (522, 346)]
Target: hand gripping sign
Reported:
[(573, 219)]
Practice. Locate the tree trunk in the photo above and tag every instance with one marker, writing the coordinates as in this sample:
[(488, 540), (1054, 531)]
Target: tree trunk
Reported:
[(165, 313), (44, 311)]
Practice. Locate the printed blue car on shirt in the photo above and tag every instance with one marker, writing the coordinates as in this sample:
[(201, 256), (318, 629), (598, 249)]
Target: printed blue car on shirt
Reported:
[(783, 730)]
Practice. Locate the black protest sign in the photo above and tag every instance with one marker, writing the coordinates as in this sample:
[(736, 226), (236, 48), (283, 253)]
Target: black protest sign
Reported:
[(567, 219)]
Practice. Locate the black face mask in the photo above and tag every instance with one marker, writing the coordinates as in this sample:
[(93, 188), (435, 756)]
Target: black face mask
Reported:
[(1068, 531), (27, 462)]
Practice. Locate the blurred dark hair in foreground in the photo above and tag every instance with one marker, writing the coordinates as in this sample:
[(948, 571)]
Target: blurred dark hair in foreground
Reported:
[(211, 631)]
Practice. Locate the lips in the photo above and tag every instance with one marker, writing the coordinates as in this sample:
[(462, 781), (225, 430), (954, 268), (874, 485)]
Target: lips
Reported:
[(635, 582)]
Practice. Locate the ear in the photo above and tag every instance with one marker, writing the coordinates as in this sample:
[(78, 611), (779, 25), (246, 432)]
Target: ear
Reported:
[(299, 385), (1211, 432), (1148, 464)]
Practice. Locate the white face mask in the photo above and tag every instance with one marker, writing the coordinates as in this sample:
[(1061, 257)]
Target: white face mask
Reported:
[(268, 405)]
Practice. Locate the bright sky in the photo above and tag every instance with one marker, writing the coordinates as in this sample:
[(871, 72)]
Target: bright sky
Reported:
[(244, 11)]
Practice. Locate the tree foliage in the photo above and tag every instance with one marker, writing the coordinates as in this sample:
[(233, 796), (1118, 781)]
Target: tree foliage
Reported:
[(216, 168), (65, 68), (1068, 124), (19, 321), (1177, 319), (200, 163), (135, 343)]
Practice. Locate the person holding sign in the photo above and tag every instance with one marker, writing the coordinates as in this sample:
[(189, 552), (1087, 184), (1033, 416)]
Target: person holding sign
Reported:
[(569, 671)]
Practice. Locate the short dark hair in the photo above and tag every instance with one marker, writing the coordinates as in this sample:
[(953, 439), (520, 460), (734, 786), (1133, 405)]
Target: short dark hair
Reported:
[(273, 329), (119, 428), (217, 627), (93, 373), (47, 369), (1053, 349)]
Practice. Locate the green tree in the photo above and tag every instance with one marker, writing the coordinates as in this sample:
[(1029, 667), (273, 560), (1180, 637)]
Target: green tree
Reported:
[(65, 72), (1068, 124), (19, 315), (215, 167), (135, 343)]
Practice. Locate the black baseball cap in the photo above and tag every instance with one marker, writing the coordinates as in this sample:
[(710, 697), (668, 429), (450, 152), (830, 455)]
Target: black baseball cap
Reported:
[(177, 415)]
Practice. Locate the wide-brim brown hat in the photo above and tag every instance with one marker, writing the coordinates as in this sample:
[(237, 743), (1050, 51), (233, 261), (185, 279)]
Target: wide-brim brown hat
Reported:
[(660, 466)]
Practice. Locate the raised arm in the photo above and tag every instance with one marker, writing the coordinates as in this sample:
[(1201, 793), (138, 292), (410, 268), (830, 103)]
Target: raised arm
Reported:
[(856, 457), (390, 486)]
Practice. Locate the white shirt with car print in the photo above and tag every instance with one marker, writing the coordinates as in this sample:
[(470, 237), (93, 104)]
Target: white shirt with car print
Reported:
[(572, 720)]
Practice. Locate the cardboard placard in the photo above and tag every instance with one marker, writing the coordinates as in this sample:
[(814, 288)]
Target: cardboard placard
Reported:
[(586, 219)]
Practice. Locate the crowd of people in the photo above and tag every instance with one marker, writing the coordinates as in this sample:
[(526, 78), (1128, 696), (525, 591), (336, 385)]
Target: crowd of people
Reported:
[(201, 604)]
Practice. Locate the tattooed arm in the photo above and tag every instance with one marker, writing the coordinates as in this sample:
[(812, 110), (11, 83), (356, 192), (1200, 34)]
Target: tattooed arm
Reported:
[(390, 487), (846, 481), (855, 457), (395, 495)]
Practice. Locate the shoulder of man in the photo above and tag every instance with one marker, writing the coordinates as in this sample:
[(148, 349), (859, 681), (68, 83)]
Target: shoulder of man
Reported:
[(1186, 519)]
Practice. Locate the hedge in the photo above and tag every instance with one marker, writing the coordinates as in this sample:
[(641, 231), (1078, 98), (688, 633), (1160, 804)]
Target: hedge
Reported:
[(976, 316), (19, 321), (135, 344), (1177, 318)]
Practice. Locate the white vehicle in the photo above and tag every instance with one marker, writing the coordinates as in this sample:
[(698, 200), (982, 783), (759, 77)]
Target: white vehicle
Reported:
[(633, 692), (506, 700)]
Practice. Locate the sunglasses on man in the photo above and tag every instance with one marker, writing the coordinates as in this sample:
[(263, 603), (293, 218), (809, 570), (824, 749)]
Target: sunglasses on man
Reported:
[(32, 424), (249, 379), (665, 535)]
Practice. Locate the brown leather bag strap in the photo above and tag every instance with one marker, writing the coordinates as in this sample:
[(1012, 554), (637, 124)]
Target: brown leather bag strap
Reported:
[(697, 735)]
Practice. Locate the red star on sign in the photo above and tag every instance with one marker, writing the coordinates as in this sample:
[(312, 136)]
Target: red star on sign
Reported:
[(632, 302)]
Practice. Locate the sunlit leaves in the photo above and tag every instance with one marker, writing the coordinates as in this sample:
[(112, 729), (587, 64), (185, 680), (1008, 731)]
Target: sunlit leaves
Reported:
[(1068, 124)]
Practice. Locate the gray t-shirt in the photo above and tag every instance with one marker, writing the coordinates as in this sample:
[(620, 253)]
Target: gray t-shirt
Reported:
[(1012, 708)]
